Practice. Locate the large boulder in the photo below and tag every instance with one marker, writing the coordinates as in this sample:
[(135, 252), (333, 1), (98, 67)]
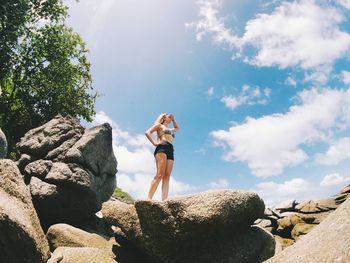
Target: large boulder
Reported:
[(21, 236), (327, 242), (208, 227), (63, 235), (70, 170), (3, 145)]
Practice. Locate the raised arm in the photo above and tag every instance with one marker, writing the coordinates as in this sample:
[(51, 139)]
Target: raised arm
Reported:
[(175, 125), (149, 132)]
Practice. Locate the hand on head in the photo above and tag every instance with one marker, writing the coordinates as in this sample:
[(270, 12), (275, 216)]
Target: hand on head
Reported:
[(171, 116)]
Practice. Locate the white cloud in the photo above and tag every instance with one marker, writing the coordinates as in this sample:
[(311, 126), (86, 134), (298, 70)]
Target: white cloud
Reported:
[(210, 23), (344, 3), (137, 185), (271, 143), (220, 184), (136, 164), (338, 151), (296, 34), (134, 153), (249, 95), (334, 179), (291, 82), (210, 91), (275, 193), (345, 76)]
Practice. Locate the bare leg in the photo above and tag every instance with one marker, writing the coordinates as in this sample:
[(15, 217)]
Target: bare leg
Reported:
[(161, 165), (166, 179)]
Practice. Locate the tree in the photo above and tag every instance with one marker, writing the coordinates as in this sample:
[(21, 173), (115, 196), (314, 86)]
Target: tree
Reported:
[(44, 69)]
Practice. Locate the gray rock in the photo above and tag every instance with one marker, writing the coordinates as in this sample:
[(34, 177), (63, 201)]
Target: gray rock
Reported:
[(93, 150), (327, 242), (207, 227), (70, 170), (3, 145), (39, 168), (21, 239), (40, 141)]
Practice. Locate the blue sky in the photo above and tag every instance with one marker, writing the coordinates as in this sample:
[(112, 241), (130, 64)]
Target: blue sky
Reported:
[(260, 90)]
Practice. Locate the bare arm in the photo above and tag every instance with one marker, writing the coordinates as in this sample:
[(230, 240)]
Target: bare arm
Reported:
[(149, 132), (176, 126)]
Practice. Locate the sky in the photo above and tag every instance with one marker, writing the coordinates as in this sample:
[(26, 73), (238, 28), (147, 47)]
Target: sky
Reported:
[(260, 90)]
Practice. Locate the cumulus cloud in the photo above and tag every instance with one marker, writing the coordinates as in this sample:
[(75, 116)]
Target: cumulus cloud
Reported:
[(275, 193), (334, 179), (345, 76), (136, 165), (300, 34), (249, 95), (338, 151), (210, 23), (270, 143), (220, 184), (344, 3)]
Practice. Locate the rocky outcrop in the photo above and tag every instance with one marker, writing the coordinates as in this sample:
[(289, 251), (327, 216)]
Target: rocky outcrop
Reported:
[(21, 236), (3, 145), (327, 242), (207, 227), (70, 170), (291, 222)]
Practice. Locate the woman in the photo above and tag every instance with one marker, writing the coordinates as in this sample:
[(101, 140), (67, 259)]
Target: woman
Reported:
[(164, 152)]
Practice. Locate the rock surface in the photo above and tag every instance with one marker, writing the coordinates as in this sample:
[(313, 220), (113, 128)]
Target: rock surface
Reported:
[(207, 227), (63, 235), (80, 255), (292, 221), (70, 170), (328, 242), (3, 145), (22, 238)]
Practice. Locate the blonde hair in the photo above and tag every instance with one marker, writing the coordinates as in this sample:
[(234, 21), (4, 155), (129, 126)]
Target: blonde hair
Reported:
[(160, 118)]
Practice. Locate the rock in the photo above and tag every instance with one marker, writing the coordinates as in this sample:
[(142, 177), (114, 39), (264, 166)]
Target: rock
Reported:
[(315, 218), (327, 242), (93, 150), (22, 238), (264, 223), (341, 198), (344, 190), (40, 141), (289, 207), (301, 229), (80, 255), (207, 227), (39, 168), (3, 145), (70, 170), (286, 224), (284, 242), (63, 235), (317, 206)]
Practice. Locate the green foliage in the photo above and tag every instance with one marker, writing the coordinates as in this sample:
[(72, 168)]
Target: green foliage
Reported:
[(43, 67), (122, 196)]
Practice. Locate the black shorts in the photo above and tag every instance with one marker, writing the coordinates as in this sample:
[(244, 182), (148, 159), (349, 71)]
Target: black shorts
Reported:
[(167, 148)]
